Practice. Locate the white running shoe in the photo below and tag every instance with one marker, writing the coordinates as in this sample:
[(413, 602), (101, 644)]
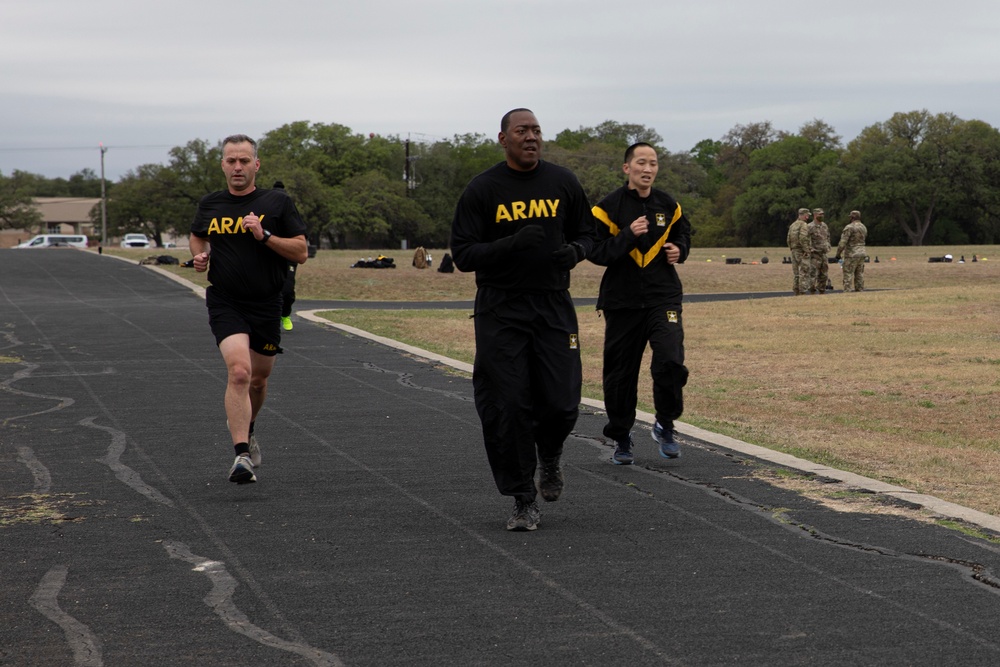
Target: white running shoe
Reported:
[(255, 457), (242, 470)]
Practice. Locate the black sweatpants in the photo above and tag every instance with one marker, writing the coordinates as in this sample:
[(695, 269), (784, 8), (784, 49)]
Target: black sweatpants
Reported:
[(626, 333), (526, 380)]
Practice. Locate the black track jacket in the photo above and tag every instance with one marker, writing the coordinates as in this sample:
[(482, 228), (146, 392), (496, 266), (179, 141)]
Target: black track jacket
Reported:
[(638, 274)]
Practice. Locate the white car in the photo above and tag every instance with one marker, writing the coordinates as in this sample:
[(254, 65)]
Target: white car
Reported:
[(54, 241), (135, 241)]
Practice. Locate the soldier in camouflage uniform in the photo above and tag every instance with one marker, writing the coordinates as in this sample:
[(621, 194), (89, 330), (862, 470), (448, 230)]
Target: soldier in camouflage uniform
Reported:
[(798, 243), (852, 249), (819, 243)]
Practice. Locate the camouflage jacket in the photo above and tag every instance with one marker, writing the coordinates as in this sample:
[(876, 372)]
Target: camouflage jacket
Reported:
[(819, 237), (852, 240), (798, 236)]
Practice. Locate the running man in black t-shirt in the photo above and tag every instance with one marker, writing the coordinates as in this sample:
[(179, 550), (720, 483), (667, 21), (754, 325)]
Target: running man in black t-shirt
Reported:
[(250, 235), (522, 225)]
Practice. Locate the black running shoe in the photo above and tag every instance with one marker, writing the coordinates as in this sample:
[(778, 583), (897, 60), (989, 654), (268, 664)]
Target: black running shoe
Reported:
[(665, 439), (623, 452), (526, 516), (550, 480)]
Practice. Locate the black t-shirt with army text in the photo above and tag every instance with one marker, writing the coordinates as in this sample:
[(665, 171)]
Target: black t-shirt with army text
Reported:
[(241, 266), (498, 203)]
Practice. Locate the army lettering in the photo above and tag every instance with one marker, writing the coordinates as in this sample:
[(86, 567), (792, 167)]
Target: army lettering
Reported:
[(520, 210), (228, 225)]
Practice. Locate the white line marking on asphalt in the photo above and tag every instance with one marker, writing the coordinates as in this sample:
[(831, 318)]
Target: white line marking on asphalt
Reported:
[(61, 401), (219, 599), (43, 480), (86, 647), (125, 474)]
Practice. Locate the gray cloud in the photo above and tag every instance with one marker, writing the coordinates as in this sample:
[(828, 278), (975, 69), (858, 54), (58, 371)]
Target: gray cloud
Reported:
[(142, 78)]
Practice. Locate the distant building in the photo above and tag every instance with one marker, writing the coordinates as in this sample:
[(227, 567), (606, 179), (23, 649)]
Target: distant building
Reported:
[(60, 215)]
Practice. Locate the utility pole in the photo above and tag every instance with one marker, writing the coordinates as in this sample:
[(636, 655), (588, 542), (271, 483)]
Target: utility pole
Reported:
[(104, 201), (408, 172), (406, 168)]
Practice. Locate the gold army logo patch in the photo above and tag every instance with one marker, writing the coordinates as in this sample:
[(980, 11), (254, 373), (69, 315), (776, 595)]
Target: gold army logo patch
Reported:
[(574, 341), (672, 316), (661, 219)]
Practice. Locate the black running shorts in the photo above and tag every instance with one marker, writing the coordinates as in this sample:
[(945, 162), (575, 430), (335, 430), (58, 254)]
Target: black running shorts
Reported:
[(261, 320)]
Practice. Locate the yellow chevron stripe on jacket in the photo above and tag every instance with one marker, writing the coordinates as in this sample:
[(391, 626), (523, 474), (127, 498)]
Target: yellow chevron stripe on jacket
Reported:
[(637, 256)]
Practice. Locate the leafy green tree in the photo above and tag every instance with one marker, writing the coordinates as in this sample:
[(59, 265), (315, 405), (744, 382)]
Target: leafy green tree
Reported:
[(146, 200), (917, 178), (620, 135), (918, 168), (319, 165), (198, 169), (624, 135), (822, 133), (442, 170), (972, 204), (681, 175), (572, 139), (376, 209), (333, 151), (738, 145), (726, 163), (314, 199), (780, 180), (17, 209), (85, 183), (706, 155), (597, 165)]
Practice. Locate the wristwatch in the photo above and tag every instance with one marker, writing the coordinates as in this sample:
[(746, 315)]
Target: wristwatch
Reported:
[(266, 237)]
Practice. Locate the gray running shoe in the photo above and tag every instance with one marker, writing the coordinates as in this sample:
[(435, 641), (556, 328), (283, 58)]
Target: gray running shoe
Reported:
[(242, 470), (550, 480), (255, 457), (526, 516), (254, 451)]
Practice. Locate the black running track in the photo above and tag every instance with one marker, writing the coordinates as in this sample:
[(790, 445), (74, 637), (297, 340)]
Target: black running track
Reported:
[(375, 534)]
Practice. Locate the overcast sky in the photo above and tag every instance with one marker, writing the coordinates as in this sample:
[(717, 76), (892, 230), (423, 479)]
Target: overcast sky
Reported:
[(144, 77)]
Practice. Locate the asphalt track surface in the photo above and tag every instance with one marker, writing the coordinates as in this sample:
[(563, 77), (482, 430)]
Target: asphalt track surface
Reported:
[(375, 535)]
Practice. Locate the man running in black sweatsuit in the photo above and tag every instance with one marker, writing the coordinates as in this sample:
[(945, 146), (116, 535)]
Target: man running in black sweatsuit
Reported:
[(521, 226), (643, 234)]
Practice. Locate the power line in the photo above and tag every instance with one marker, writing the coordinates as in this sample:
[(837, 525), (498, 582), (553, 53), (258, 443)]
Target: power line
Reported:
[(75, 148)]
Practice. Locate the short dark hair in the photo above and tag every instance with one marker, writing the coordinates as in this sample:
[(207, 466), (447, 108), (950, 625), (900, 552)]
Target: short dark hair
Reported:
[(240, 139), (505, 121), (630, 151)]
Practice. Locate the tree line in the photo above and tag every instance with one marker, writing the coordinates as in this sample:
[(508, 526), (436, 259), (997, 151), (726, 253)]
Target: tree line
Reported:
[(918, 179)]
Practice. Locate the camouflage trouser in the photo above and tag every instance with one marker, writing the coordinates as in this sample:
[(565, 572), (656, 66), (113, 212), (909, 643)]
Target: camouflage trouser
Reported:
[(854, 274), (818, 272), (800, 271)]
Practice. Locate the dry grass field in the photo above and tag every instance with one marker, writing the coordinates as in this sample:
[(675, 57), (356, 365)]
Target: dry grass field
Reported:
[(899, 383)]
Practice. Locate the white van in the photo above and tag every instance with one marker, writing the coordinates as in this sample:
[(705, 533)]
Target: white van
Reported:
[(46, 240)]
